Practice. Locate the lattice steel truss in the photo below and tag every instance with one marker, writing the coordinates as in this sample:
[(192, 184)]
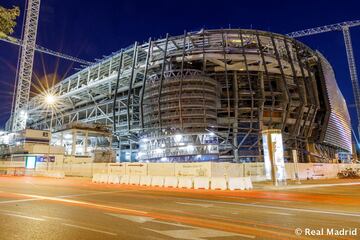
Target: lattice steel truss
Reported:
[(26, 65), (244, 81)]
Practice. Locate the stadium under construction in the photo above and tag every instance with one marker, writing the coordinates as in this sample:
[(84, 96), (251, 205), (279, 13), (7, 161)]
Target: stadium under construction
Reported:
[(211, 95)]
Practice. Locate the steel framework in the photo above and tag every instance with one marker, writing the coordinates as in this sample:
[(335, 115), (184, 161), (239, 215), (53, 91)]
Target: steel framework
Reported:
[(344, 27), (263, 80), (26, 65)]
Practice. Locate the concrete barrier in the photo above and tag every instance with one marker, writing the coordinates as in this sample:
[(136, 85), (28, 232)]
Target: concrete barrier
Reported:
[(201, 183), (185, 182), (157, 181), (96, 178), (218, 183), (113, 179), (134, 180), (54, 174), (236, 183), (171, 181), (145, 181), (104, 178), (125, 179), (247, 183)]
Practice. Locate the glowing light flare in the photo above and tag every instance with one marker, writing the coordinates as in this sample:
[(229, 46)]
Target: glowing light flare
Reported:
[(50, 99)]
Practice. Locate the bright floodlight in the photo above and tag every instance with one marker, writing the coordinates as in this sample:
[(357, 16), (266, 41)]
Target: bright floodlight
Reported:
[(50, 99)]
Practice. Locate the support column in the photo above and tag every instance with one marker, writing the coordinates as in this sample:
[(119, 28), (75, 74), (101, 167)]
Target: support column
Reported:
[(236, 115), (353, 73), (73, 146)]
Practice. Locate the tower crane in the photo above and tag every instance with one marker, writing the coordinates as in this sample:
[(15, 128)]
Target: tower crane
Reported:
[(345, 28), (39, 48), (28, 46), (26, 65)]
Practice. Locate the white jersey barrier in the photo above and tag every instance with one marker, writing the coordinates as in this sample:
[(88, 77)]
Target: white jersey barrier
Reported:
[(145, 181), (96, 177), (185, 182), (157, 181), (218, 183), (56, 174), (104, 178), (214, 183), (240, 183), (171, 181), (201, 183), (125, 179), (113, 179), (134, 179)]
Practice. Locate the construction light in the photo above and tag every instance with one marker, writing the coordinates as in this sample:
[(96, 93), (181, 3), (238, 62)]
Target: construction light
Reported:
[(50, 99)]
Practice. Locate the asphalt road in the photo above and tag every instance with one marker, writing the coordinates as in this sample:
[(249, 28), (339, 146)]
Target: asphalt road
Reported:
[(46, 209)]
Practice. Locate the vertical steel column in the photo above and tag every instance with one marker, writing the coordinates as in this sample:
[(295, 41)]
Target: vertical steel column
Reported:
[(267, 77), (181, 79), (315, 97), (227, 84), (116, 89), (306, 90), (161, 80), (306, 93), (144, 85), (250, 89), (353, 72), (203, 79), (236, 116), (287, 103), (131, 79), (300, 114)]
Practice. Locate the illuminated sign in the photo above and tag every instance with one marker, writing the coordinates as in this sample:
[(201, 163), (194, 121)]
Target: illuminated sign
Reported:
[(30, 162), (274, 155)]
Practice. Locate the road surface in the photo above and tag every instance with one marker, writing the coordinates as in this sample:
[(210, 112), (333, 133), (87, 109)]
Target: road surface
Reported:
[(46, 209)]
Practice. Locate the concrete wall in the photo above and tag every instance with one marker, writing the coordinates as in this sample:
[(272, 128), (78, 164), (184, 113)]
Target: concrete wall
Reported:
[(193, 169), (207, 169)]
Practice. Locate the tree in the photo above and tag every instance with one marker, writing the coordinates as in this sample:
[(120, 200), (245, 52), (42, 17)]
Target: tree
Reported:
[(8, 20)]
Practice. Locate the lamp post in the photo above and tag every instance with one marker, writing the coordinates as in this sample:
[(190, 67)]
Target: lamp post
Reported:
[(50, 101)]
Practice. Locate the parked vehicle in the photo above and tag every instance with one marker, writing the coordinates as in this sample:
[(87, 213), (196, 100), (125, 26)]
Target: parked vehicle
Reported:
[(349, 173)]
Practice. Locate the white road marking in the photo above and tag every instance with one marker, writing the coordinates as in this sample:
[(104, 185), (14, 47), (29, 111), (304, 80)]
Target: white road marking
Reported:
[(64, 196), (280, 208), (81, 203), (280, 213), (137, 219), (89, 229), (319, 185), (196, 204), (18, 200), (23, 216), (198, 233), (193, 233), (54, 218)]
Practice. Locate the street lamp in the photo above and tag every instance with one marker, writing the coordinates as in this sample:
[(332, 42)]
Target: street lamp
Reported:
[(50, 101)]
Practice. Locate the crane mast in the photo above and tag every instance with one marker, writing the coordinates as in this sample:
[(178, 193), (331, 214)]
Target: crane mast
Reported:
[(353, 71), (26, 65)]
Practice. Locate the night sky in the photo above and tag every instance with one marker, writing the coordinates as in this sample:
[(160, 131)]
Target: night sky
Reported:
[(91, 29)]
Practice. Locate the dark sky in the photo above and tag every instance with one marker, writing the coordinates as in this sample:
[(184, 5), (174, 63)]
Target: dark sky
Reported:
[(90, 29)]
